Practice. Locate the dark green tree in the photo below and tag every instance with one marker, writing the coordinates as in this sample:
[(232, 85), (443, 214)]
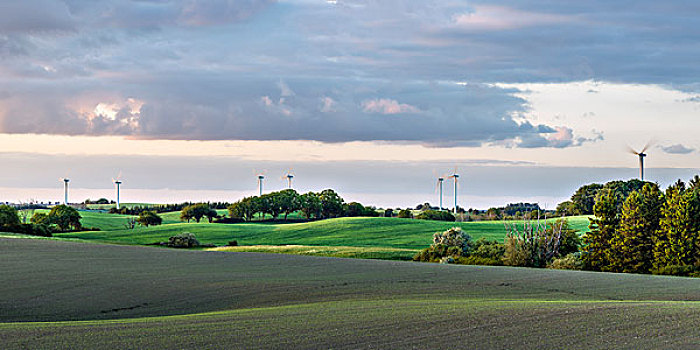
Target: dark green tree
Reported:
[(8, 216), (289, 202), (601, 229), (632, 245), (676, 243), (331, 204), (197, 211), (584, 199), (65, 217), (149, 218), (310, 205)]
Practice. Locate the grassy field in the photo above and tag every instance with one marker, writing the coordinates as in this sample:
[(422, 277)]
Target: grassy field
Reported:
[(390, 233), (59, 294)]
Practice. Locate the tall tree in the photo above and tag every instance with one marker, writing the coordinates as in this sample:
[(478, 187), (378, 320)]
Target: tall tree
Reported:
[(584, 199), (602, 228), (676, 243), (633, 244)]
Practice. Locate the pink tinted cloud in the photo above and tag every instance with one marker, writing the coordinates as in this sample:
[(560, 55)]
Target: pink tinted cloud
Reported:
[(501, 17), (387, 106)]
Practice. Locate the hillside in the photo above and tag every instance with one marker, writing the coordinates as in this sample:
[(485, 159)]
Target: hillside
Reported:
[(141, 297), (352, 232)]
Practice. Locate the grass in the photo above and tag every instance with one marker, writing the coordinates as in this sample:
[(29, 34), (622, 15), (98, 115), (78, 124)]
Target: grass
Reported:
[(76, 295), (328, 251), (387, 233)]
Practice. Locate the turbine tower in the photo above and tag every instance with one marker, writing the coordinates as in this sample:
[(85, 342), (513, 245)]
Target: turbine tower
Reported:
[(455, 176), (261, 177), (641, 156), (118, 183), (289, 177), (65, 190), (439, 188)]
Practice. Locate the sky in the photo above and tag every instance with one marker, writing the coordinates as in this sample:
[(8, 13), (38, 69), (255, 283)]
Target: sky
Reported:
[(188, 100)]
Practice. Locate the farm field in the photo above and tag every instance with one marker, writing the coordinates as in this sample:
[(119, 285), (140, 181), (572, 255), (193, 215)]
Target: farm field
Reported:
[(81, 295), (389, 233)]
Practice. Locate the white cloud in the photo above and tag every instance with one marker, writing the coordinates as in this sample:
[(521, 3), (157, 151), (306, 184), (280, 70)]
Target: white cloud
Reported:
[(328, 105), (387, 106)]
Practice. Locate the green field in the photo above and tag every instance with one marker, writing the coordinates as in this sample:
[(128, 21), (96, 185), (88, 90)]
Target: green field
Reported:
[(390, 233), (59, 294)]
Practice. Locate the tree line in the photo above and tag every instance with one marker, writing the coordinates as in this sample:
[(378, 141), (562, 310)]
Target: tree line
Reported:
[(646, 230), (322, 205)]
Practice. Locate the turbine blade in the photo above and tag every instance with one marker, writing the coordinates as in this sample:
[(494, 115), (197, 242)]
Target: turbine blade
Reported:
[(631, 150), (649, 144)]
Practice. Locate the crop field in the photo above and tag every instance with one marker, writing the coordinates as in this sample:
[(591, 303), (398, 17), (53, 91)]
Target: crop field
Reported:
[(389, 233), (59, 294)]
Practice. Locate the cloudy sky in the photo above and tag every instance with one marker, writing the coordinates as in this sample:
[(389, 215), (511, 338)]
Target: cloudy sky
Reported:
[(189, 99)]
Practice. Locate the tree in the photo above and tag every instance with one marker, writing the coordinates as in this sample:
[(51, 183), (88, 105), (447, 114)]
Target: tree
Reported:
[(632, 245), (602, 228), (64, 217), (436, 215), (331, 204), (676, 243), (310, 205), (289, 202), (584, 199), (39, 218), (197, 211), (149, 218), (8, 216), (566, 208)]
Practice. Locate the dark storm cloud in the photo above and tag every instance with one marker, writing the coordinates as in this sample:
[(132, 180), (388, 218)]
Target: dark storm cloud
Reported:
[(353, 70)]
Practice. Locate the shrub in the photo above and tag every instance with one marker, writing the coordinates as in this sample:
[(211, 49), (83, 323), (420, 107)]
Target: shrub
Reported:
[(676, 270), (537, 245), (30, 229), (405, 214), (571, 261), (439, 215), (233, 243), (490, 250), (478, 260), (451, 243), (183, 240)]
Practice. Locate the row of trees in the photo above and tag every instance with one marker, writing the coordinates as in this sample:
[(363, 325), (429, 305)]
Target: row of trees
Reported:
[(61, 217), (164, 208), (312, 205), (646, 231)]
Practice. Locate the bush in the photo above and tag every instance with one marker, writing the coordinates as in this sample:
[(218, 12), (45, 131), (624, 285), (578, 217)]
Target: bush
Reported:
[(453, 243), (439, 215), (676, 270), (183, 240), (30, 229), (489, 250), (405, 214), (233, 243), (571, 261)]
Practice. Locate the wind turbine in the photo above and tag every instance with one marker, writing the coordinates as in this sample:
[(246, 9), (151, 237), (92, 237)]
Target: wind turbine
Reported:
[(118, 183), (65, 190), (261, 177), (455, 176), (641, 156), (289, 177), (438, 187)]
